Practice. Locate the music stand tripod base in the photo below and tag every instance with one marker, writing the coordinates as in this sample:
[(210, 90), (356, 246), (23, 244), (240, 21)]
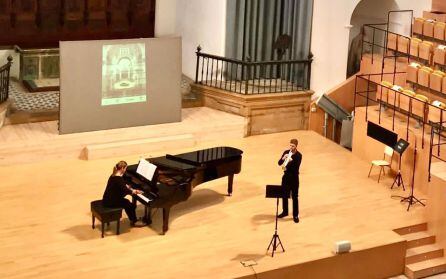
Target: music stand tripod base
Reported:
[(275, 191)]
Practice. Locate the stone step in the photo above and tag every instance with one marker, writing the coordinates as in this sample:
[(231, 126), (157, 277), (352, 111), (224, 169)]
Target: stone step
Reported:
[(422, 253)]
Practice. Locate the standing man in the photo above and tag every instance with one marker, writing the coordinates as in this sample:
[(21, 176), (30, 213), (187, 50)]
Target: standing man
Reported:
[(290, 162)]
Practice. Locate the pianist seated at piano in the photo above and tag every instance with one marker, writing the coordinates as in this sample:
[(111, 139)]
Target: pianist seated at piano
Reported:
[(117, 189)]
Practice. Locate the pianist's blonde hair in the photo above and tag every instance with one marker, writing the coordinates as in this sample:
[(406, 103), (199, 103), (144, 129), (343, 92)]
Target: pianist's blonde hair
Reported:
[(119, 166)]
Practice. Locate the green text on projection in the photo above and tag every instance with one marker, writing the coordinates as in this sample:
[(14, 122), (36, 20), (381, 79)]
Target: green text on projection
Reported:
[(123, 74)]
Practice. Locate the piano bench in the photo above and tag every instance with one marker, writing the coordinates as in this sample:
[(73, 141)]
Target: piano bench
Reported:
[(105, 215)]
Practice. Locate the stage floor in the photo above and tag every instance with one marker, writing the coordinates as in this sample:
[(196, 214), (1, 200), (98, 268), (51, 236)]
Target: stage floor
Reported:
[(45, 229)]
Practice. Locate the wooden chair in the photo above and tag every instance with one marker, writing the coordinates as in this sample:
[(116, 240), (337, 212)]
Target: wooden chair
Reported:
[(405, 99), (428, 28), (420, 106), (437, 113), (388, 152), (436, 80), (425, 51), (440, 55), (105, 215), (424, 76), (412, 72), (383, 91), (418, 25), (394, 96), (414, 45), (403, 44), (392, 41), (439, 30)]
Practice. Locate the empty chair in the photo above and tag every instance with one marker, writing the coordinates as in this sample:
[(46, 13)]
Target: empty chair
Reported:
[(392, 41), (425, 50), (383, 91), (443, 85), (418, 25), (439, 30), (440, 55), (424, 76), (385, 162), (393, 95), (412, 72), (414, 44), (437, 113), (420, 106), (428, 28), (436, 80), (403, 44), (405, 99)]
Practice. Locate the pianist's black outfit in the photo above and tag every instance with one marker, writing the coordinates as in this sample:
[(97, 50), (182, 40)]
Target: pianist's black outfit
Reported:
[(290, 183), (114, 196)]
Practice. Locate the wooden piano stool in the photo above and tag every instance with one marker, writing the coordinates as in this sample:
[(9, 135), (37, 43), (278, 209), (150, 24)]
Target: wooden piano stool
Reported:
[(105, 215)]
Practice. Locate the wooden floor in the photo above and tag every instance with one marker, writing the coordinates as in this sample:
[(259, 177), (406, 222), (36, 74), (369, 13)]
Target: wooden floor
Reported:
[(45, 228), (24, 143)]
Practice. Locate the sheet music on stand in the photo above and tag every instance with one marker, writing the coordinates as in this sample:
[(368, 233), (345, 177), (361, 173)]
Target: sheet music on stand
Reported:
[(147, 170)]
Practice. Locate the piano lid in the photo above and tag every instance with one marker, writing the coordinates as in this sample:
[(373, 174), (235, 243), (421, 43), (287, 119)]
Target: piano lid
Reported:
[(172, 164), (204, 156)]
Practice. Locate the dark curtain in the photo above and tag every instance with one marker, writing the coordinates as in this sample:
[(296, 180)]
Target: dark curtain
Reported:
[(253, 26)]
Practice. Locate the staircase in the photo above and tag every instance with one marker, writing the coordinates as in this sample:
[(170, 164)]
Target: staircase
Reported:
[(423, 257)]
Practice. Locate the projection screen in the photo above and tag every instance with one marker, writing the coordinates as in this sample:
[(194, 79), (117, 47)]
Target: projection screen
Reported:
[(119, 83)]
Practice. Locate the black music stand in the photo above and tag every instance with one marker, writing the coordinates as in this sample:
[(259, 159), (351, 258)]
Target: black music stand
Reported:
[(399, 148), (276, 192), (411, 199)]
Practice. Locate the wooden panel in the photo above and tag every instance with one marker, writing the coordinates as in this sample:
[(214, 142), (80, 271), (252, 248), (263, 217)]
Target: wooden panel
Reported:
[(140, 146), (119, 15), (437, 203), (43, 23), (143, 13), (6, 15), (50, 15), (265, 113), (73, 18), (439, 6)]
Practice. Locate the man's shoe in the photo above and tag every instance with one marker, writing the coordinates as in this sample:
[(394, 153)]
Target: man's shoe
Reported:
[(283, 214), (296, 219)]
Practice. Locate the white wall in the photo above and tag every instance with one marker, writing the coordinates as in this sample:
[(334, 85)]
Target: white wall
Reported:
[(15, 62), (165, 14), (330, 39), (200, 22)]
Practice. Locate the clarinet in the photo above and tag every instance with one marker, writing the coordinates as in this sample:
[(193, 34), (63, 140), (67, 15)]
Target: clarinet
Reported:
[(287, 160)]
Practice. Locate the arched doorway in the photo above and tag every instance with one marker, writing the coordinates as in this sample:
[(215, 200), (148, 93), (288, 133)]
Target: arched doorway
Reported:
[(367, 11)]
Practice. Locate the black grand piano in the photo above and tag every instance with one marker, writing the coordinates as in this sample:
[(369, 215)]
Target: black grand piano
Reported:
[(177, 175)]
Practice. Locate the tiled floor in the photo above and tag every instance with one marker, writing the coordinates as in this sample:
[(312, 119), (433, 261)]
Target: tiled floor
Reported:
[(22, 100)]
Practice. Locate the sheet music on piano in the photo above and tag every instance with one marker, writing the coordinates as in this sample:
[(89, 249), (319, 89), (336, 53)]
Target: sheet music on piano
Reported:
[(146, 169)]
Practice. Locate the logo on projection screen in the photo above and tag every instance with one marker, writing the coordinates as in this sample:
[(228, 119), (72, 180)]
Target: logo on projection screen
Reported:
[(123, 74)]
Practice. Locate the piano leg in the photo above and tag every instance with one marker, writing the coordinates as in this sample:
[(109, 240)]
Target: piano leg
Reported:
[(166, 212), (147, 215), (230, 181)]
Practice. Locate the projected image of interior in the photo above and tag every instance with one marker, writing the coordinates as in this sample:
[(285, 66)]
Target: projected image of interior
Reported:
[(123, 74)]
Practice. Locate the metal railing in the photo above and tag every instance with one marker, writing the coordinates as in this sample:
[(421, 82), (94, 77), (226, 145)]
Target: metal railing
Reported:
[(4, 80), (247, 77), (429, 117)]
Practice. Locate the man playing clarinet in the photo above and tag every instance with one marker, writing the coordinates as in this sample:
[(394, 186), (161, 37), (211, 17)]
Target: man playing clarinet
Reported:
[(290, 162)]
